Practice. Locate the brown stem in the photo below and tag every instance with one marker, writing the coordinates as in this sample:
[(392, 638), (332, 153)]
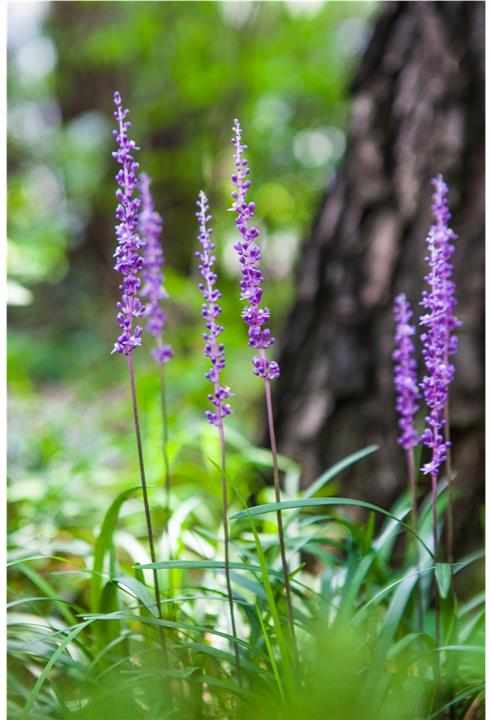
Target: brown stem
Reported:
[(411, 470), (437, 594), (146, 504), (448, 465), (226, 545), (277, 490), (165, 437)]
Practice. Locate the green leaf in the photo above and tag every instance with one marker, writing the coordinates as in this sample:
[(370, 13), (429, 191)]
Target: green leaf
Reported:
[(223, 684), (39, 598), (108, 603), (45, 587), (121, 638), (121, 615), (338, 467), (319, 502), (368, 533), (468, 560), (25, 714), (355, 575), (375, 600), (205, 565), (387, 536), (375, 677), (472, 604), (443, 572), (29, 558), (285, 647), (138, 590), (219, 655), (245, 582), (402, 645), (331, 472), (103, 544), (137, 675), (272, 659), (458, 698), (463, 648)]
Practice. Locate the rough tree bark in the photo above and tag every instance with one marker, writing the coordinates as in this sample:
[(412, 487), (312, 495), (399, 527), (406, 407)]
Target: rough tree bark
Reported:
[(418, 109)]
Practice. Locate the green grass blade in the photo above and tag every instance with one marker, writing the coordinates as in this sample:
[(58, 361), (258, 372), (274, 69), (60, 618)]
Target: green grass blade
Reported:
[(220, 655), (375, 677), (139, 591), (25, 714), (352, 587), (378, 597), (206, 565), (221, 684), (47, 589), (272, 659), (103, 545), (284, 650), (474, 690), (472, 604), (321, 502), (331, 473), (443, 572), (186, 627)]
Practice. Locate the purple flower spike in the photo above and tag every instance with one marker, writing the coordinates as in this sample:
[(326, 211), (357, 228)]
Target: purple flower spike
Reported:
[(249, 253), (153, 262), (210, 312), (128, 259), (439, 342), (405, 378)]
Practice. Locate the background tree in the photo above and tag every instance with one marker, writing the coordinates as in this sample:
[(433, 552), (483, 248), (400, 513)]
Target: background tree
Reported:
[(418, 109)]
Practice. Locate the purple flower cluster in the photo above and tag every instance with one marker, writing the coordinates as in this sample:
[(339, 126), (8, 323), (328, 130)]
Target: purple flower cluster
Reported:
[(405, 377), (210, 312), (153, 261), (439, 341), (249, 253), (128, 258)]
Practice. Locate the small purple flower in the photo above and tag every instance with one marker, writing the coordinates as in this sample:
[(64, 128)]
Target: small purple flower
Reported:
[(405, 378), (128, 259), (210, 312), (439, 341), (249, 253), (153, 262)]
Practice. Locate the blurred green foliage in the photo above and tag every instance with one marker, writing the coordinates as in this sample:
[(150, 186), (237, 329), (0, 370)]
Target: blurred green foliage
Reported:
[(185, 70)]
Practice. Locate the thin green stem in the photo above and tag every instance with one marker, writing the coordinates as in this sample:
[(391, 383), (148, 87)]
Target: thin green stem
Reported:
[(448, 465), (411, 471), (146, 503), (226, 540), (277, 489)]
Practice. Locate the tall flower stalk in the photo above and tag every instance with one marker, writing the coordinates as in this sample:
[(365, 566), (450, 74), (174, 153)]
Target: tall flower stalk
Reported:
[(439, 342), (154, 294), (129, 263), (214, 350), (407, 390), (444, 238), (407, 396), (255, 316)]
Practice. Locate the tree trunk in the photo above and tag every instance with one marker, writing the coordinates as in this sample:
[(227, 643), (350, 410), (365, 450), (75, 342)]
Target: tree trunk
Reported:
[(418, 109)]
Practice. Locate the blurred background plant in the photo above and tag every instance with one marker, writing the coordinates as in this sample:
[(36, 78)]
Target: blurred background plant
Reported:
[(186, 71)]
